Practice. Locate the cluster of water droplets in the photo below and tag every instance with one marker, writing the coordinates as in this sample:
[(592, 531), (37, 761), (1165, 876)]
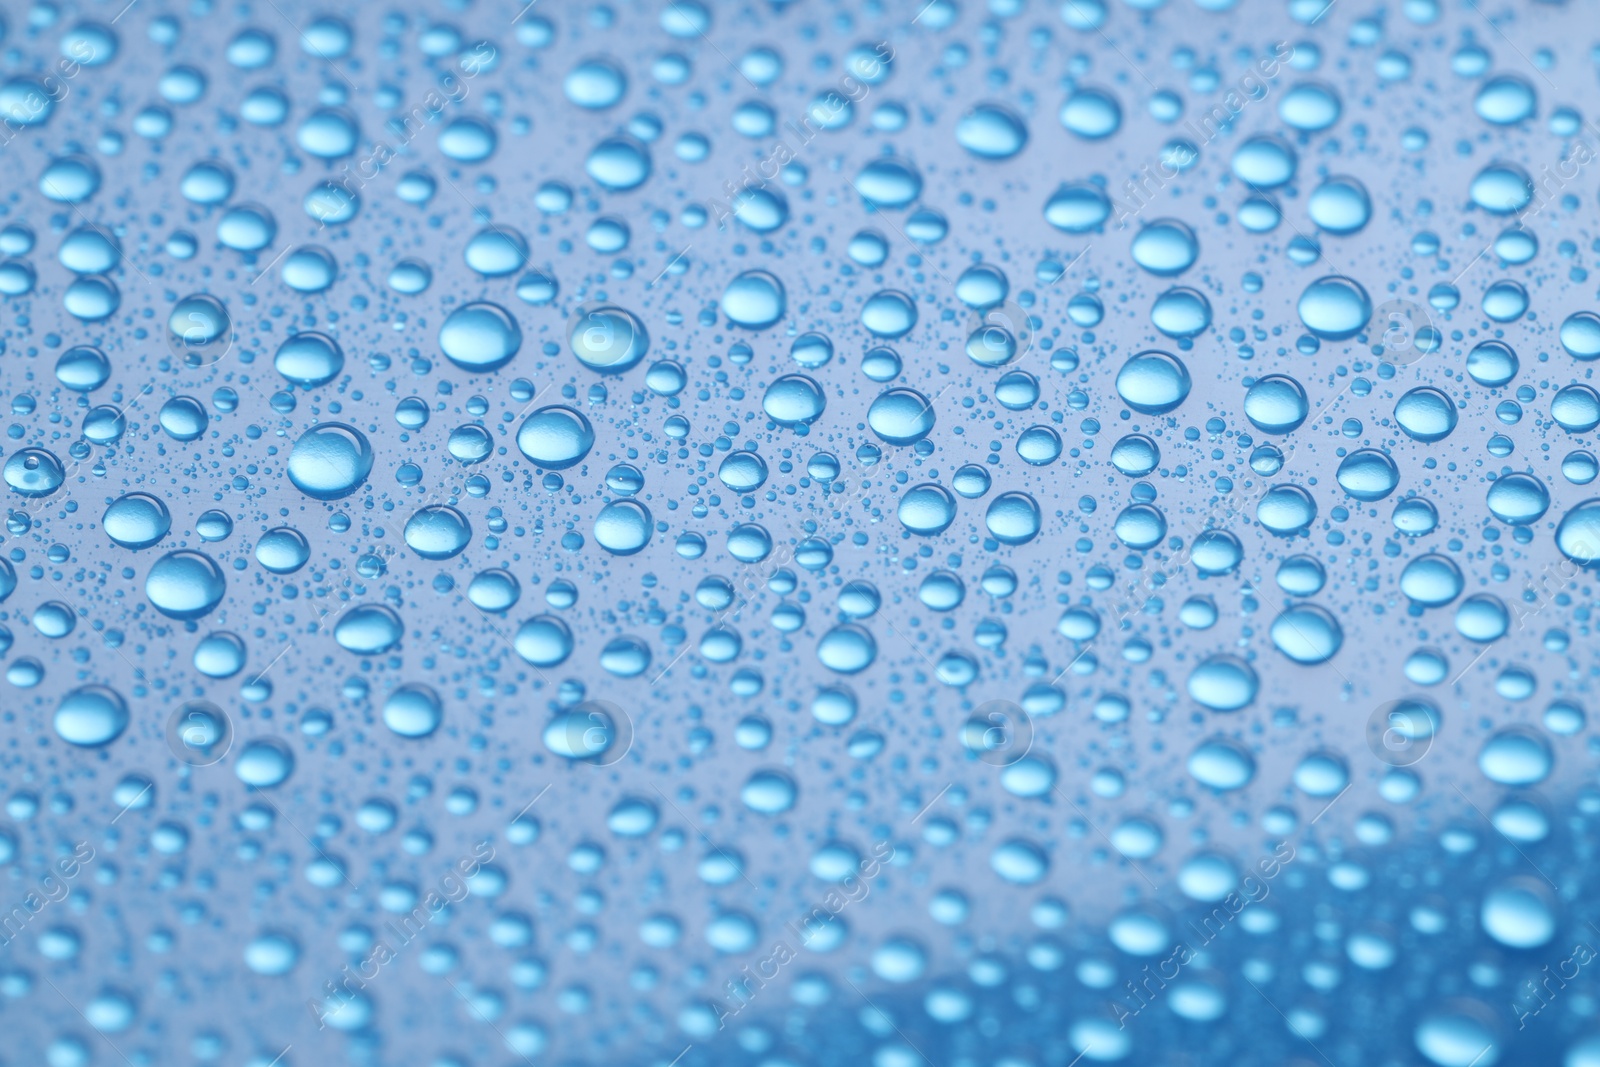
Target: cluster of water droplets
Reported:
[(813, 535)]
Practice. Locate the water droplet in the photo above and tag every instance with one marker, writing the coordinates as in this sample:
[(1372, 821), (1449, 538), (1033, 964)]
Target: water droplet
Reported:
[(1153, 382), (992, 131), (480, 337), (1335, 308), (754, 300), (413, 710), (91, 716), (437, 532), (185, 585), (555, 437), (329, 461), (608, 339)]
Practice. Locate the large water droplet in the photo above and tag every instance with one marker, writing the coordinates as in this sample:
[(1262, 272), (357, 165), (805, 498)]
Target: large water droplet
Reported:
[(480, 337), (330, 460), (555, 437), (1335, 308), (90, 716), (185, 585), (437, 531), (1153, 382)]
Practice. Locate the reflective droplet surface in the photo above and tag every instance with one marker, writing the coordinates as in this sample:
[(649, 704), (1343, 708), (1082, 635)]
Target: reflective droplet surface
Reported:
[(413, 711), (1519, 914), (793, 400), (623, 527), (927, 509), (1504, 100), (34, 472), (1368, 474), (1578, 534), (1426, 414), (91, 716), (608, 339), (992, 131), (1153, 382), (1335, 308), (555, 437), (330, 461), (1518, 499), (185, 585), (754, 300), (901, 416), (480, 337), (1276, 404), (889, 313), (1013, 518), (1165, 247), (1223, 683), (136, 520), (682, 518), (437, 531)]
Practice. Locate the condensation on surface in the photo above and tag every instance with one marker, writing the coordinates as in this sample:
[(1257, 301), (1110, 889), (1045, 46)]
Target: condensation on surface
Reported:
[(689, 533)]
